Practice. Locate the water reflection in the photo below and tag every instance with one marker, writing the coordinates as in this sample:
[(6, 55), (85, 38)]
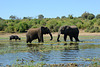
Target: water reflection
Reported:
[(72, 46), (34, 45), (69, 54), (55, 56)]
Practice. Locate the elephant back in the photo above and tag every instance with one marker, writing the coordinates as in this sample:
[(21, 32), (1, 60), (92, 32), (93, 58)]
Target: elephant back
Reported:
[(33, 30)]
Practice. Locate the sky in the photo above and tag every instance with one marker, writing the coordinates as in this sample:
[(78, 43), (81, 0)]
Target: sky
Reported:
[(48, 8)]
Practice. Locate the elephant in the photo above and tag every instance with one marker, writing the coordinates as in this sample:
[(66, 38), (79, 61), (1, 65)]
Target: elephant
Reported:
[(37, 33), (71, 31), (14, 37)]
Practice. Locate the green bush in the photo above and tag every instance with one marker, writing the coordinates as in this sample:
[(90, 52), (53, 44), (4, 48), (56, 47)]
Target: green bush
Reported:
[(21, 27), (90, 16), (98, 16), (92, 29), (85, 15), (53, 25), (3, 25), (79, 25), (10, 29)]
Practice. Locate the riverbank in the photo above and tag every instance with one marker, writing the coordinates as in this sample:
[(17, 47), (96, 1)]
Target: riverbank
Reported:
[(82, 33)]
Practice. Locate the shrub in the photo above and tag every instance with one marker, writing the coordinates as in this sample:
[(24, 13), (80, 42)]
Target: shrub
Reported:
[(21, 27), (90, 16), (10, 29), (53, 25), (85, 15), (3, 25), (79, 25), (98, 16), (92, 29)]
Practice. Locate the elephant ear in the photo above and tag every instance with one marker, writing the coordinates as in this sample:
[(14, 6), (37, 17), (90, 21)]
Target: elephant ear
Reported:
[(43, 30)]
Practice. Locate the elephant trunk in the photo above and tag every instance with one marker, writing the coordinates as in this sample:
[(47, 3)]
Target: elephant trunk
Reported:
[(51, 36)]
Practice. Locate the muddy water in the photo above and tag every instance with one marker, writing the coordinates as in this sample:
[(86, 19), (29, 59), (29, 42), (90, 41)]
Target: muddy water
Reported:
[(10, 54)]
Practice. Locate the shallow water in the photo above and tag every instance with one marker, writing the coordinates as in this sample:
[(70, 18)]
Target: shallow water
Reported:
[(9, 56)]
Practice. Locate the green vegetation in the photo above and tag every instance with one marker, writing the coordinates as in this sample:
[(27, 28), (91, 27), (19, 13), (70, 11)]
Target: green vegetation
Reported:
[(87, 21)]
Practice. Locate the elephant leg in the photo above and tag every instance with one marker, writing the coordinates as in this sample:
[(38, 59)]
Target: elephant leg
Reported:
[(30, 41), (76, 39), (42, 39), (65, 37), (27, 39), (39, 40), (71, 38), (58, 38)]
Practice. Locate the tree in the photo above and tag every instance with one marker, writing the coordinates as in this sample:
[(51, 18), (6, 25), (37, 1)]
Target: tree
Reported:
[(27, 18), (12, 17), (85, 15), (70, 16), (57, 17), (98, 16), (21, 27), (91, 16), (3, 25), (40, 16), (63, 17)]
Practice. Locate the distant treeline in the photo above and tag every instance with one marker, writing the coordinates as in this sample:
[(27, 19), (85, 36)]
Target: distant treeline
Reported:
[(87, 21)]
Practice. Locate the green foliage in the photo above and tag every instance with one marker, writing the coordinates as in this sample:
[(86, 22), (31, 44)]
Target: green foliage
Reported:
[(63, 17), (98, 16), (53, 25), (87, 22), (10, 29), (3, 25), (90, 16), (40, 16), (85, 15), (92, 29), (70, 16), (21, 27), (12, 17)]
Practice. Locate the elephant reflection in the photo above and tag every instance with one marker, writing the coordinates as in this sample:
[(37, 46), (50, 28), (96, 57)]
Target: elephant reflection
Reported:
[(33, 45), (72, 46)]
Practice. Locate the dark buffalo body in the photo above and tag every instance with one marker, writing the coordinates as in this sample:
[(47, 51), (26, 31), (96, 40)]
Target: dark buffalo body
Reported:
[(14, 37)]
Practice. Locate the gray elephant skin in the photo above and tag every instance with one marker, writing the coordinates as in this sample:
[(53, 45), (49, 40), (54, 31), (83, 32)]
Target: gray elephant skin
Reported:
[(37, 33), (71, 31), (14, 37)]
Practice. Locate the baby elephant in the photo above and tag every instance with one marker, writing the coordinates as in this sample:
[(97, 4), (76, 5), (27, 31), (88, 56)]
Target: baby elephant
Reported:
[(14, 37)]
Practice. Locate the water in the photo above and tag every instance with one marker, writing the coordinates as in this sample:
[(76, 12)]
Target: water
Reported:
[(64, 56)]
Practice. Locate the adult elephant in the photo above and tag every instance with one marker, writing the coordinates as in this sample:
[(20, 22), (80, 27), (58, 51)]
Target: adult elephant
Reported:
[(37, 33), (71, 31)]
